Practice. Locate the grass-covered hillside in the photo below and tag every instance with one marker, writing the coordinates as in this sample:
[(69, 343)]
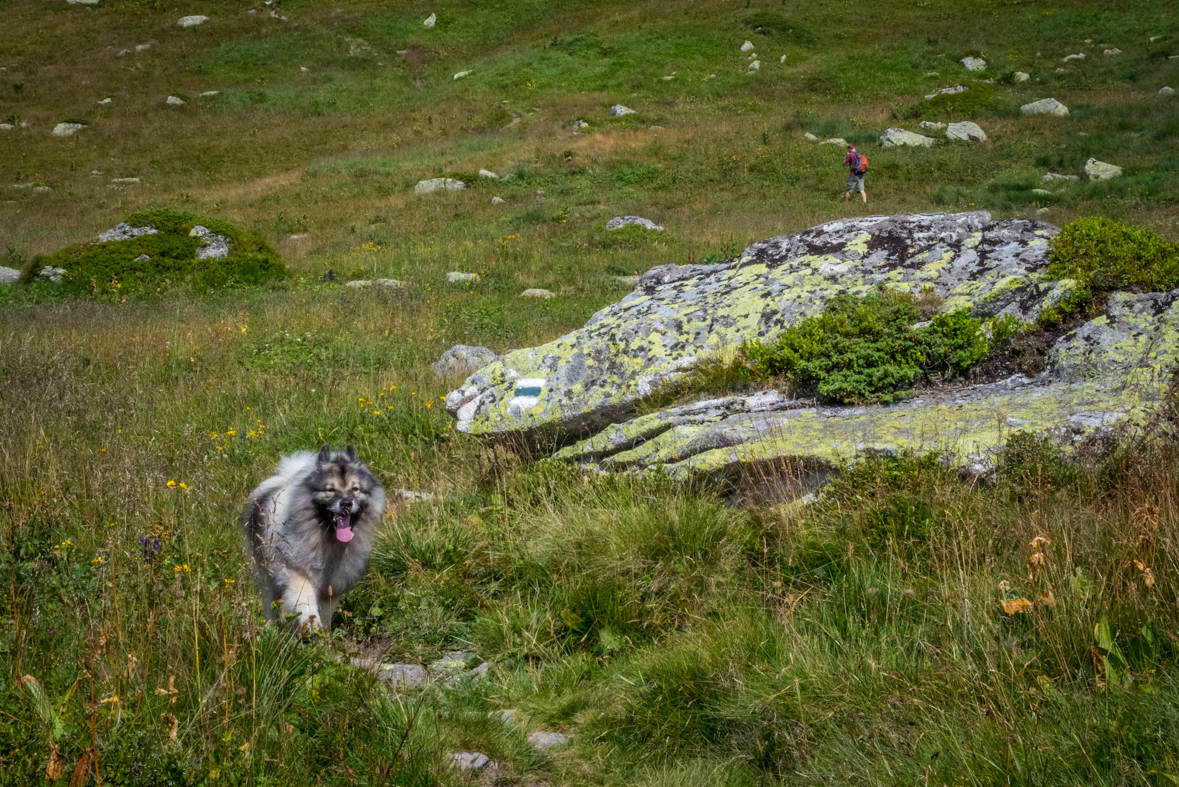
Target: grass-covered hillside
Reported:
[(905, 628)]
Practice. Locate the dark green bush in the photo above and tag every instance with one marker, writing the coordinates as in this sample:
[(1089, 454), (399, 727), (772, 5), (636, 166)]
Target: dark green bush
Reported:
[(112, 270), (864, 349), (1104, 255)]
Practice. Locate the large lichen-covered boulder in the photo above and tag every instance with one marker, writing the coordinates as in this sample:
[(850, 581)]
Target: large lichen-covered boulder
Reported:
[(1111, 372), (591, 378)]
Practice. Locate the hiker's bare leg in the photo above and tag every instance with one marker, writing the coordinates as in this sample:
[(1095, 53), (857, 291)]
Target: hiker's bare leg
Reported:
[(845, 196), (864, 194)]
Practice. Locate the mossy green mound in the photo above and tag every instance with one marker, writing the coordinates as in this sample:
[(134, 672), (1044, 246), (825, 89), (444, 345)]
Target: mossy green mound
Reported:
[(171, 257), (1103, 255)]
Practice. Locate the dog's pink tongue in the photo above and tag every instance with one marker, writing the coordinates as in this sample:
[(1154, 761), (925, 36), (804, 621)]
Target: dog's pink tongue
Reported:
[(344, 534)]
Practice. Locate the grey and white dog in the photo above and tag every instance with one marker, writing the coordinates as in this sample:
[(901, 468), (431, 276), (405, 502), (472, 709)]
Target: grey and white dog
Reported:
[(309, 529)]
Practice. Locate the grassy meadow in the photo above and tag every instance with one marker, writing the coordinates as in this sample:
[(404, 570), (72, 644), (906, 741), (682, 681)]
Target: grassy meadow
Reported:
[(905, 628)]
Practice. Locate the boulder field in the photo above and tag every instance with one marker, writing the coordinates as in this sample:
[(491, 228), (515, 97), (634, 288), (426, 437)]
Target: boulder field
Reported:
[(580, 392)]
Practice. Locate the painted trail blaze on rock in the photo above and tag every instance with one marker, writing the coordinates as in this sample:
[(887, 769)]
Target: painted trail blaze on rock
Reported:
[(679, 315)]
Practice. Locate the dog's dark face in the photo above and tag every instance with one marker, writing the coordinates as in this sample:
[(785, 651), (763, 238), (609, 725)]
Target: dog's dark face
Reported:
[(341, 487)]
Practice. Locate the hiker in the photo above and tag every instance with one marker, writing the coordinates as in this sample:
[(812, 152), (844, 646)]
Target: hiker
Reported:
[(858, 164)]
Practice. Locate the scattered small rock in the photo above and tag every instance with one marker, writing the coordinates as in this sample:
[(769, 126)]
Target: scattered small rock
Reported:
[(402, 676), (809, 137), (410, 496), (6, 127), (41, 189), (124, 231), (580, 124), (1166, 91), (668, 78), (142, 258), (455, 277), (431, 20), (898, 137), (747, 46), (83, 2), (470, 760), (298, 236), (104, 101), (1111, 52), (192, 21), (438, 184), (8, 275), (618, 110), (51, 273), (1045, 106), (974, 63), (755, 65), (965, 131), (782, 59), (1078, 56), (175, 101), (547, 740), (947, 91), (1020, 76), (67, 128), (358, 283), (209, 93), (1051, 176), (485, 173), (144, 47), (1155, 38), (497, 201), (931, 126), (216, 247), (125, 180), (461, 74), (619, 222), (840, 141), (537, 293), (1099, 170)]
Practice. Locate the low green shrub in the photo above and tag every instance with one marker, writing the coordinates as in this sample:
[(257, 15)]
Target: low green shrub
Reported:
[(863, 349), (162, 261), (976, 96), (1104, 255)]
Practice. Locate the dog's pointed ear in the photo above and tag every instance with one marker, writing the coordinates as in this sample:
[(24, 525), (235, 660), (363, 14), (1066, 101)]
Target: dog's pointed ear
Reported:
[(325, 453), (351, 453)]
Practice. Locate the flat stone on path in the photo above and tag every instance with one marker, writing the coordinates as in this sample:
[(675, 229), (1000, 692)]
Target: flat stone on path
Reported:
[(966, 132), (898, 137), (1045, 106), (619, 222), (403, 676), (536, 292), (1099, 170), (547, 740), (192, 21)]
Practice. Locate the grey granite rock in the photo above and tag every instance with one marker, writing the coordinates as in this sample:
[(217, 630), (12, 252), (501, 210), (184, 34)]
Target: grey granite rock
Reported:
[(462, 360), (124, 231), (619, 222)]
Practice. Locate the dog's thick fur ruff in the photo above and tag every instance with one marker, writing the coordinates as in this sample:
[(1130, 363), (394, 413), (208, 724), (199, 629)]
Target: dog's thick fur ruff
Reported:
[(309, 529)]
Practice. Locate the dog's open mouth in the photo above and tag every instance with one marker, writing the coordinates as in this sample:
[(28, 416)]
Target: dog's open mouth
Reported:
[(343, 523)]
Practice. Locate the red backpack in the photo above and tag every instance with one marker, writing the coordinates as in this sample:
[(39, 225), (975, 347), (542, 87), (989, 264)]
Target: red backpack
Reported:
[(863, 163)]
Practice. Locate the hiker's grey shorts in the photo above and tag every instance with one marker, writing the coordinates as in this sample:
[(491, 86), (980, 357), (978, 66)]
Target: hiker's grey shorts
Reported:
[(855, 183)]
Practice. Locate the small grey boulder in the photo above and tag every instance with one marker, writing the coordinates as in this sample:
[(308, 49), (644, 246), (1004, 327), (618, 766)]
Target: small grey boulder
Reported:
[(547, 740), (1099, 170), (898, 137), (965, 132), (619, 222), (463, 361), (192, 21), (124, 231), (470, 760), (1045, 106), (618, 111), (536, 292), (974, 63), (51, 273), (8, 275), (438, 184), (67, 128)]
